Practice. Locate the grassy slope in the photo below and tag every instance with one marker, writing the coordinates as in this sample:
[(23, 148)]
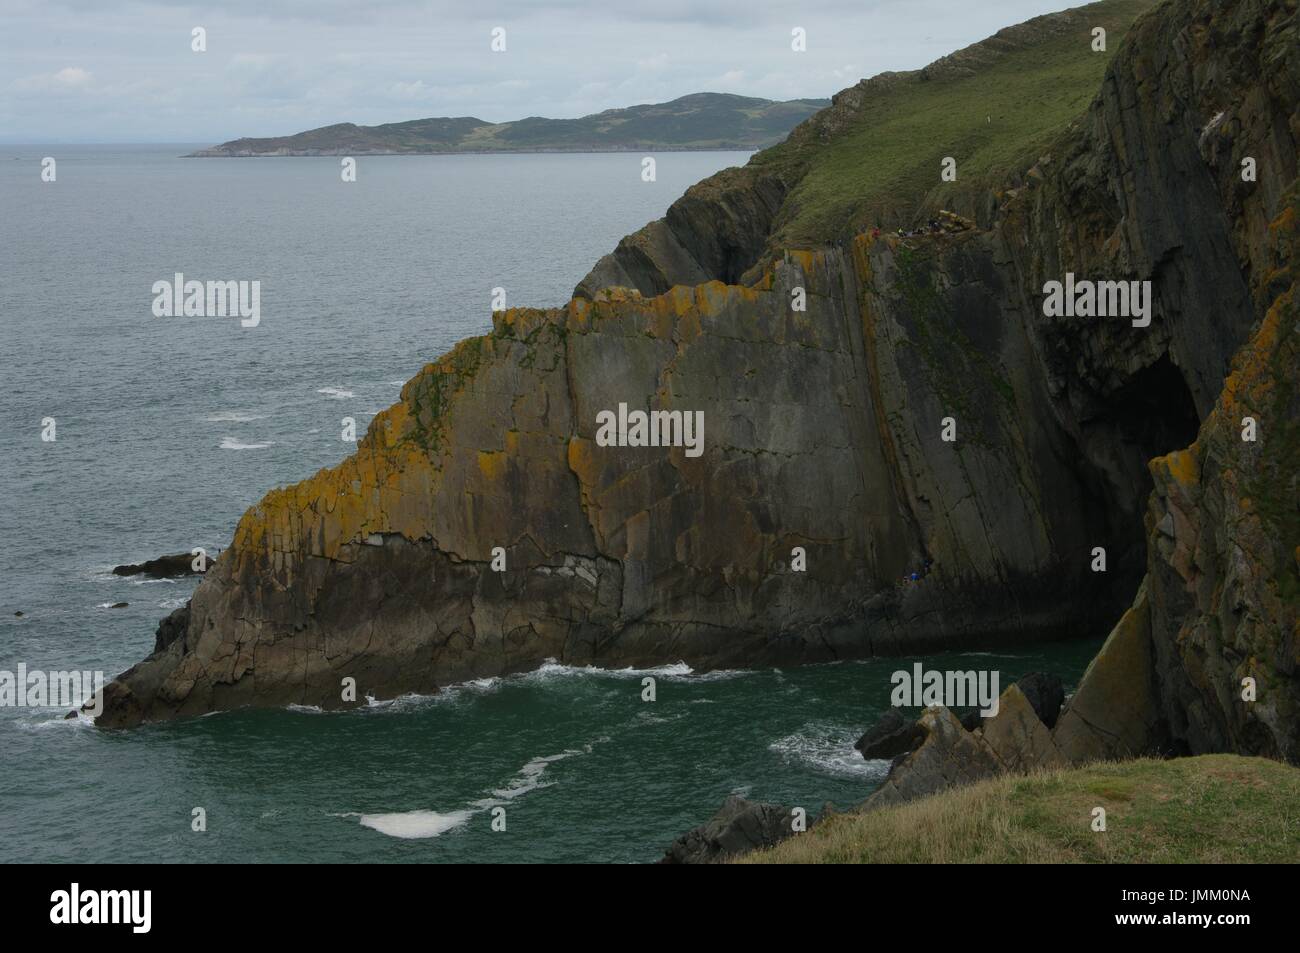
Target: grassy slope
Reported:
[(1208, 809), (993, 107)]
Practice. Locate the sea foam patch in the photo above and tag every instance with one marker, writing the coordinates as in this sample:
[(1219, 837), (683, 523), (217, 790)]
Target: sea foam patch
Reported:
[(414, 825), (829, 750), (233, 443)]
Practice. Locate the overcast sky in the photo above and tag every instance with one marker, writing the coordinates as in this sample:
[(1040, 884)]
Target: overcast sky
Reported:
[(108, 71)]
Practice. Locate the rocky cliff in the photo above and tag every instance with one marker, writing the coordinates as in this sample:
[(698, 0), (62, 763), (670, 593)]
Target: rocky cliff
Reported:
[(482, 527)]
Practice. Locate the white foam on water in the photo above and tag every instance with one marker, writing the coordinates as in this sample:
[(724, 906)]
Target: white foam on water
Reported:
[(59, 722), (176, 603), (335, 393), (650, 718), (233, 417), (233, 443), (828, 749), (551, 670), (414, 825), (425, 824)]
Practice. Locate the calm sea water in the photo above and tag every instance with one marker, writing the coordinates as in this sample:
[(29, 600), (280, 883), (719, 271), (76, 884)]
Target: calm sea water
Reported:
[(167, 429)]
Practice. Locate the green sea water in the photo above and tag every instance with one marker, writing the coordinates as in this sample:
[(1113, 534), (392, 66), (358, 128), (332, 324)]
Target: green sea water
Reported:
[(583, 768)]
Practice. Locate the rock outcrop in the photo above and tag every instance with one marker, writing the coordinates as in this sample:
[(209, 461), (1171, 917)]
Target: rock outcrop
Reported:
[(164, 567), (895, 734), (482, 527), (889, 737), (739, 827)]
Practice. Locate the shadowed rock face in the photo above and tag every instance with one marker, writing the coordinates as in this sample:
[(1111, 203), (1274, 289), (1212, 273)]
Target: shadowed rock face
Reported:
[(822, 430), (1224, 548)]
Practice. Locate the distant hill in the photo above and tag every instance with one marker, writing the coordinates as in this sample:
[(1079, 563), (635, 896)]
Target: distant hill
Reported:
[(698, 121)]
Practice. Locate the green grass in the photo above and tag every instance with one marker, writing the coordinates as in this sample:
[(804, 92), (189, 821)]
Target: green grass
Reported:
[(1208, 809), (995, 109)]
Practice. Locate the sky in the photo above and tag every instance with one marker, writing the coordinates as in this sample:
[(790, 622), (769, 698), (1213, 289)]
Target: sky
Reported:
[(108, 71)]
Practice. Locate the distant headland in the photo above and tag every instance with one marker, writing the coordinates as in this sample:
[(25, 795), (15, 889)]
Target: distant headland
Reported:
[(696, 122)]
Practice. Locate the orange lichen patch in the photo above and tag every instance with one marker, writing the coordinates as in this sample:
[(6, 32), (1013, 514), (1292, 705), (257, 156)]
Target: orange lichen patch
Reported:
[(578, 309), (1285, 221), (660, 315), (807, 258), (1181, 466), (389, 425), (689, 327), (492, 464), (710, 297), (682, 300), (1251, 376), (861, 251), (386, 486), (581, 460)]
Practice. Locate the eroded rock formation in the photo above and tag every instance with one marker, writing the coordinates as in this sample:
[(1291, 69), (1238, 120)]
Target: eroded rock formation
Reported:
[(822, 427)]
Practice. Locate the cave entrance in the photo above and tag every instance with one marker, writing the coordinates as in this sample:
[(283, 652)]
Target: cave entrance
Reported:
[(1154, 412)]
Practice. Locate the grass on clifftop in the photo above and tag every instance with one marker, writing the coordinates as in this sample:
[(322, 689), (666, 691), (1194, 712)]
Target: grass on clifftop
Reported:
[(993, 107), (1208, 809)]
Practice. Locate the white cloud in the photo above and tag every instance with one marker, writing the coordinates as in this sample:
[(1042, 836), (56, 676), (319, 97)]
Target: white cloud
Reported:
[(70, 77), (282, 66)]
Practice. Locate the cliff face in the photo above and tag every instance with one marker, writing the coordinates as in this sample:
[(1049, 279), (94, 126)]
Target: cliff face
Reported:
[(1224, 525), (823, 428)]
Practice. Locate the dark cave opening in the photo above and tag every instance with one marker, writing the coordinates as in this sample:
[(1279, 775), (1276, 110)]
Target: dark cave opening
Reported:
[(1154, 412)]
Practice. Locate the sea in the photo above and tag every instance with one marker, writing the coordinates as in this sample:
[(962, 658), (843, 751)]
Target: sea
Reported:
[(165, 429)]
